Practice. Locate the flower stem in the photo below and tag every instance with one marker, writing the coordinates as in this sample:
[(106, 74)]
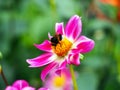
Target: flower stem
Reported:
[(3, 76), (73, 78)]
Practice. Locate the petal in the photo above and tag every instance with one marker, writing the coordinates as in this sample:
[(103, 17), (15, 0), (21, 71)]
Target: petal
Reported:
[(63, 64), (83, 45), (49, 36), (59, 28), (41, 60), (73, 27), (45, 46), (29, 88), (19, 84), (82, 39), (66, 71), (47, 69), (58, 72), (74, 59), (43, 89), (61, 67), (10, 88)]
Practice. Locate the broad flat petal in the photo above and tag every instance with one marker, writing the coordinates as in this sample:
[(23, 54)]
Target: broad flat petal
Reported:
[(47, 69), (10, 88), (74, 59), (45, 46), (73, 27), (41, 60), (28, 88), (19, 84), (83, 45), (59, 28)]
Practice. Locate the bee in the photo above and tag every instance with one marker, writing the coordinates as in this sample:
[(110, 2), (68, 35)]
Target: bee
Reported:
[(55, 39)]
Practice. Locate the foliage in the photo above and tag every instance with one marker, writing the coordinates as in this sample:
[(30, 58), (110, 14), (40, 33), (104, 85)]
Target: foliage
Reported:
[(25, 22)]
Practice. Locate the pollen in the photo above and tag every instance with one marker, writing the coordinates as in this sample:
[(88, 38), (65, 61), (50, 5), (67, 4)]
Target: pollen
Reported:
[(62, 48)]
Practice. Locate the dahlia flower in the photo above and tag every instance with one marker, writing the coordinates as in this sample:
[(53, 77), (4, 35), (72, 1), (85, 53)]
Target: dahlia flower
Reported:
[(63, 48), (20, 85), (56, 82)]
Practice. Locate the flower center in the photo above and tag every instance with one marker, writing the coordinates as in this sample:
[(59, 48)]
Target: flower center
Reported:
[(62, 47), (59, 81)]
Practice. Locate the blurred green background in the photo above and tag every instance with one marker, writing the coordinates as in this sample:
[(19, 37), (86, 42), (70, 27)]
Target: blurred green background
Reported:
[(25, 22)]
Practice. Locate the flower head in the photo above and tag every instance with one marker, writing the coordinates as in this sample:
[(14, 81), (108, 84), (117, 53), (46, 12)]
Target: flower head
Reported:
[(63, 48), (20, 85), (56, 82)]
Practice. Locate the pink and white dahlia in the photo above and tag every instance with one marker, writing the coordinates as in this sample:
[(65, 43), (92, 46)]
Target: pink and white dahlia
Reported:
[(63, 48), (56, 82), (20, 85)]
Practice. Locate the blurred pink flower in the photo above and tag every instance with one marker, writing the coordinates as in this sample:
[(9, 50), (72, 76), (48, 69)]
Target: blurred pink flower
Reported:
[(63, 48), (20, 85), (43, 89), (56, 82)]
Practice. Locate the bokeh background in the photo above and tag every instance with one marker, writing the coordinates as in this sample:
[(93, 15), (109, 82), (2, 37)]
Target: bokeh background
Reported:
[(25, 22)]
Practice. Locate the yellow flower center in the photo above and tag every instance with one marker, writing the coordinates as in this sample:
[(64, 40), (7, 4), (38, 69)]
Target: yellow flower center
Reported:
[(59, 81), (62, 48)]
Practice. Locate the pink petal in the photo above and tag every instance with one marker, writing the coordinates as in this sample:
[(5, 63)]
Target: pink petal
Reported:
[(43, 89), (29, 88), (19, 84), (45, 46), (82, 39), (41, 60), (58, 72), (49, 36), (59, 28), (66, 71), (83, 45), (74, 59), (47, 69), (73, 27), (10, 88), (61, 66)]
